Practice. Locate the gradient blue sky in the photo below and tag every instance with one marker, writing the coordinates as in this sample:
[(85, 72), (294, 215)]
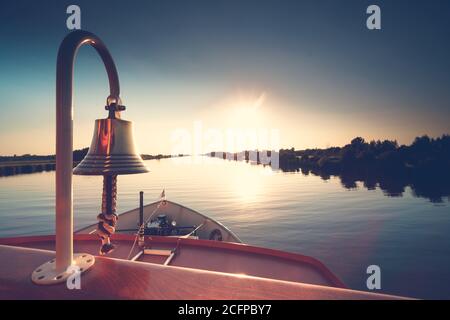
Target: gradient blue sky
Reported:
[(318, 75)]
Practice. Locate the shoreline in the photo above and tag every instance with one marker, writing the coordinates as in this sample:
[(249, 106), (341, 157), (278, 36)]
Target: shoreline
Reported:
[(17, 167), (424, 165)]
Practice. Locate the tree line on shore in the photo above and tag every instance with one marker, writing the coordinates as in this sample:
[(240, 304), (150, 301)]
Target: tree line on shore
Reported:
[(424, 165), (28, 163), (425, 155)]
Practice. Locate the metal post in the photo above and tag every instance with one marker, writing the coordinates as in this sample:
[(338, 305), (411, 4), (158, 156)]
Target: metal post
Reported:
[(141, 208), (64, 143), (141, 218)]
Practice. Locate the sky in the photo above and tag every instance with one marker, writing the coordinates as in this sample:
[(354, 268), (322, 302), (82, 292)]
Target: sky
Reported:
[(303, 73)]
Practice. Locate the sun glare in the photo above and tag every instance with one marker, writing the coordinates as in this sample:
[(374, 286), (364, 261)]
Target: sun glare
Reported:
[(247, 112), (247, 186)]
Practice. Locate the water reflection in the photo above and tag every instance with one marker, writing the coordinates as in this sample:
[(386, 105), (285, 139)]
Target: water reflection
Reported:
[(290, 211), (434, 188)]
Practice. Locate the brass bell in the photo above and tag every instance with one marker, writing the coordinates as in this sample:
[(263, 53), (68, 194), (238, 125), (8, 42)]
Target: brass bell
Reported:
[(112, 152)]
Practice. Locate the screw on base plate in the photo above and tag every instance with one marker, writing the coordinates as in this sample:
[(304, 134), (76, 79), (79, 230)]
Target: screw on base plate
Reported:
[(47, 274)]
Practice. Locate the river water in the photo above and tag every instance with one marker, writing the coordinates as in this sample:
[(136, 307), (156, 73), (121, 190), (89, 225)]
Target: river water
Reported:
[(347, 229)]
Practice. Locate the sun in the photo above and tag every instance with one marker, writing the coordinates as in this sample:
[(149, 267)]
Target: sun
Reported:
[(247, 111)]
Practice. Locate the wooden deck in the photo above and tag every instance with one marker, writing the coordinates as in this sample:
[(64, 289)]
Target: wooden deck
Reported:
[(208, 255), (201, 270), (121, 279)]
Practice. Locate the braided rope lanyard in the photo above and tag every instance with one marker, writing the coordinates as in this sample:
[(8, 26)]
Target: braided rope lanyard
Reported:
[(108, 217)]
